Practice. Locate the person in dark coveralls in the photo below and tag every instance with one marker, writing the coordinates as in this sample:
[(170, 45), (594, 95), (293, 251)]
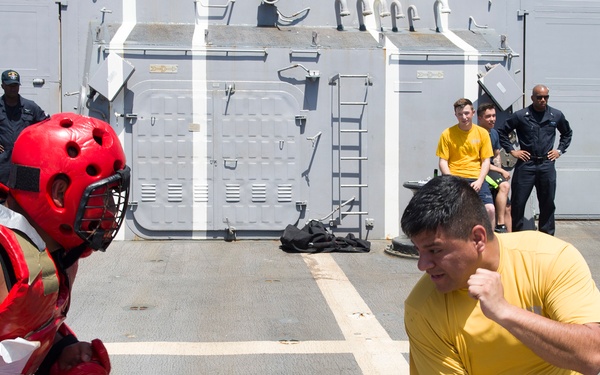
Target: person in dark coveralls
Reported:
[(536, 128), (16, 113)]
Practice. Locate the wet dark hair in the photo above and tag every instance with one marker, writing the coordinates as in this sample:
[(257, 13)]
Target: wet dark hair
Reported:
[(448, 203)]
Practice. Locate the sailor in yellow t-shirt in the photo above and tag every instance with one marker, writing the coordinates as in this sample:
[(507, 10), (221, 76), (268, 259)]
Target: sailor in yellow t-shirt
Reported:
[(464, 150), (515, 303)]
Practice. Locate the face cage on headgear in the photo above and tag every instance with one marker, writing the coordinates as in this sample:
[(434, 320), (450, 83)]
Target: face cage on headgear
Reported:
[(104, 202)]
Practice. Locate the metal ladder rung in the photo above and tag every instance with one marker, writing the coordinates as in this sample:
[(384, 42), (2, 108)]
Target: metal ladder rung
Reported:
[(353, 75), (354, 185), (354, 103), (355, 213), (354, 158), (353, 131)]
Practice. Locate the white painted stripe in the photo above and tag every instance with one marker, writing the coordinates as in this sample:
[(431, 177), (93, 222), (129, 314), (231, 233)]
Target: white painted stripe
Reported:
[(392, 183), (200, 119), (372, 346), (116, 67), (129, 21), (470, 65), (393, 121), (242, 348)]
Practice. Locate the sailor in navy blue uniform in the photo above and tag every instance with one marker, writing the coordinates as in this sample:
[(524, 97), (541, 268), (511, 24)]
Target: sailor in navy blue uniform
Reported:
[(16, 113), (536, 128)]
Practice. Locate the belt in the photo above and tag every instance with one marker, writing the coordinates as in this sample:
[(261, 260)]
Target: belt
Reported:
[(538, 159)]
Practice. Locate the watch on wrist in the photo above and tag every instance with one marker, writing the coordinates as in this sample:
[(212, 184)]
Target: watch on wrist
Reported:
[(559, 152)]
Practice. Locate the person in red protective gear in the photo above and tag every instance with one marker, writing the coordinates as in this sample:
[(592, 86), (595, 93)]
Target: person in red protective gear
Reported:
[(65, 197)]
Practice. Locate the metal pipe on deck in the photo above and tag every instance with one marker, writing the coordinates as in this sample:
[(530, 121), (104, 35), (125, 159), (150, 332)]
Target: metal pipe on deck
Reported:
[(360, 4), (381, 11), (413, 15), (214, 5), (382, 8), (343, 7), (396, 12), (366, 7), (441, 9)]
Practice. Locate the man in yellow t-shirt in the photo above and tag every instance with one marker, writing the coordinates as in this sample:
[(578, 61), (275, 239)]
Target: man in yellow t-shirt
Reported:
[(465, 150), (514, 303)]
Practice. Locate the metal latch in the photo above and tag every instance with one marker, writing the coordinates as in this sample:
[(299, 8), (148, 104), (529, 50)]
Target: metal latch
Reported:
[(126, 115), (230, 163)]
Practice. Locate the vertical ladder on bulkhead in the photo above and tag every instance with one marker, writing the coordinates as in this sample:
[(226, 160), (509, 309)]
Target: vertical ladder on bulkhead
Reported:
[(349, 169)]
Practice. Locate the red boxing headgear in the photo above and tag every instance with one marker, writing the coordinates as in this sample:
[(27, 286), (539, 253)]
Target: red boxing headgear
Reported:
[(87, 154)]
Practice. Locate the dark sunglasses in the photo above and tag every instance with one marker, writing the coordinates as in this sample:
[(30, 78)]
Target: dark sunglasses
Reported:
[(540, 97)]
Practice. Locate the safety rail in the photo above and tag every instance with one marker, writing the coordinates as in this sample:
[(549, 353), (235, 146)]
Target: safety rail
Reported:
[(215, 5), (184, 49)]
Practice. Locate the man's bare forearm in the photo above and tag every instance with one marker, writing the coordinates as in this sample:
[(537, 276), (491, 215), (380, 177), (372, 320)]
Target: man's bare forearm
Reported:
[(572, 346)]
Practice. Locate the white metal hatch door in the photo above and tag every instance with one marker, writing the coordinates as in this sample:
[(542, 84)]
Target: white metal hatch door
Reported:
[(166, 189), (252, 172), (257, 166)]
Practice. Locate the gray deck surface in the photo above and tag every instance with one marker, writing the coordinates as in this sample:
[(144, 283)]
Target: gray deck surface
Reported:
[(247, 307)]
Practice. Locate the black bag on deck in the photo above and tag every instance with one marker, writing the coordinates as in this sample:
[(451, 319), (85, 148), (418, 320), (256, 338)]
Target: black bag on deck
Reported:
[(314, 238)]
